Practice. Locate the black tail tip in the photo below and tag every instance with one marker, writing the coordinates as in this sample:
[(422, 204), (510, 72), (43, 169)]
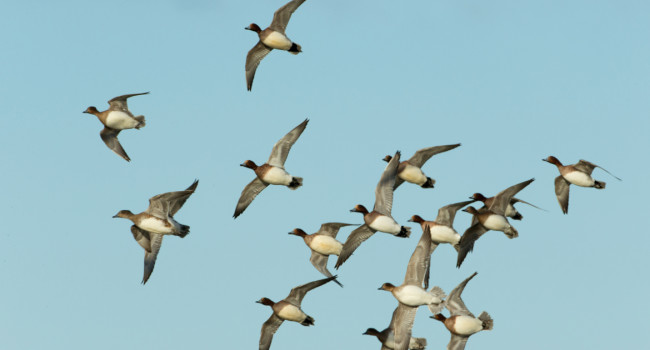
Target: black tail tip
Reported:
[(429, 183), (518, 216)]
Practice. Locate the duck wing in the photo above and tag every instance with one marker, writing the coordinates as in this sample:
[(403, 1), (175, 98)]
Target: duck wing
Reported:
[(457, 342), (109, 136), (320, 263), (502, 199), (253, 59), (420, 260), (248, 194), (150, 257), (447, 213), (268, 330), (402, 325), (454, 303), (298, 293), (356, 237), (331, 229), (562, 193), (282, 16), (384, 189), (467, 241), (119, 103), (283, 146), (588, 167), (420, 157)]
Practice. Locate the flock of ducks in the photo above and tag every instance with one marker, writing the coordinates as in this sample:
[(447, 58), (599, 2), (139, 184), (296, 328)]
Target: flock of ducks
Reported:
[(150, 226)]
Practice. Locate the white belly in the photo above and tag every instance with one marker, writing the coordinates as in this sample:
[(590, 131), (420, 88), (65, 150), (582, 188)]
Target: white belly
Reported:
[(415, 296), (277, 41), (579, 178), (444, 234), (277, 176), (496, 223), (466, 325), (292, 313), (155, 225), (413, 174), (386, 224), (326, 245), (119, 120)]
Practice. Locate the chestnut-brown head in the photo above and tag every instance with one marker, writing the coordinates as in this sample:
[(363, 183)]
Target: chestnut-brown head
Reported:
[(478, 197), (254, 27), (471, 210), (91, 110), (125, 214), (249, 164), (298, 232), (359, 209), (371, 331), (387, 286), (439, 317), (416, 218), (553, 160), (266, 301), (387, 158)]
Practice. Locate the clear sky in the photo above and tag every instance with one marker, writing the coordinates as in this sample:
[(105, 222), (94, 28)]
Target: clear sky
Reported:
[(513, 81)]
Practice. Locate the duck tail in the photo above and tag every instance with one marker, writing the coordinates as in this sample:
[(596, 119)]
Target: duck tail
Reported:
[(309, 321), (404, 232), (437, 292), (185, 230), (295, 182), (599, 185), (429, 183), (142, 124), (295, 48), (511, 232), (418, 343), (488, 323), (517, 216)]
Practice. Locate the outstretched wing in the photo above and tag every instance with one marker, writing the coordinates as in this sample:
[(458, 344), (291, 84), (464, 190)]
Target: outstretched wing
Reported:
[(447, 213), (320, 263), (253, 59), (268, 329), (331, 229), (384, 189), (119, 103), (588, 167), (283, 146), (356, 237), (501, 200), (420, 259), (282, 16), (297, 293), (562, 193), (150, 257), (248, 194), (467, 241), (169, 203), (109, 136), (402, 325), (420, 157), (455, 303)]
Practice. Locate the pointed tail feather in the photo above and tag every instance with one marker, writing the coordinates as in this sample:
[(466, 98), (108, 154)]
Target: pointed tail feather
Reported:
[(142, 124), (295, 182), (600, 185), (488, 323)]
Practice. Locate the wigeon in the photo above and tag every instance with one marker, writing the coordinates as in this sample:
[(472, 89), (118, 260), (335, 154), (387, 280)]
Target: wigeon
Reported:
[(410, 170)]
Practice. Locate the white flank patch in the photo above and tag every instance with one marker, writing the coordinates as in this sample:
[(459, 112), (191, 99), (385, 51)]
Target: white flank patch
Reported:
[(414, 296), (466, 325), (444, 234), (326, 245), (119, 120), (277, 41), (277, 176), (155, 225), (510, 211), (496, 223), (579, 178), (413, 174), (386, 224), (292, 313)]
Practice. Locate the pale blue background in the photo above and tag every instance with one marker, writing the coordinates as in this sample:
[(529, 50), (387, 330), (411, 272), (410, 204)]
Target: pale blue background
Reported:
[(513, 81)]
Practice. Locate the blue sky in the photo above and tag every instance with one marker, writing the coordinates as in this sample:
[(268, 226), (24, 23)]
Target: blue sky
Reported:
[(512, 81)]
